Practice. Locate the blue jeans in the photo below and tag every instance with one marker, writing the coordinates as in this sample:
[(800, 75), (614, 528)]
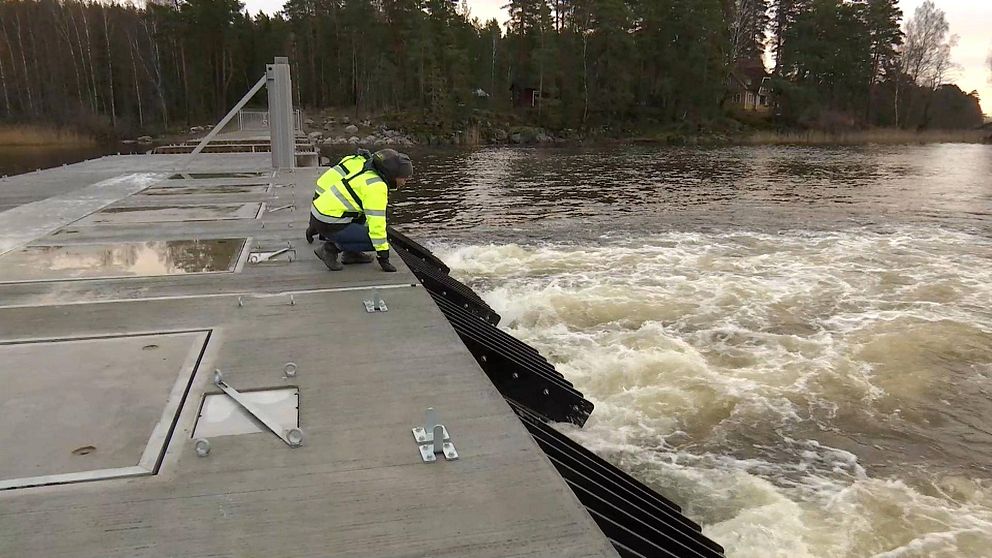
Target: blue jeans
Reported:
[(353, 238)]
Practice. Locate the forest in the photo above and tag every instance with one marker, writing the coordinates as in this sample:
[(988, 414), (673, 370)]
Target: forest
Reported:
[(561, 64)]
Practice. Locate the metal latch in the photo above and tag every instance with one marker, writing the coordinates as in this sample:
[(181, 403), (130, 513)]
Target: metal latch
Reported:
[(432, 439), (292, 436), (260, 255), (376, 303)]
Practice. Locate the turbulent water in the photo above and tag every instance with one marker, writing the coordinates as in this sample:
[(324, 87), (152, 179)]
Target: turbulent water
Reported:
[(794, 344)]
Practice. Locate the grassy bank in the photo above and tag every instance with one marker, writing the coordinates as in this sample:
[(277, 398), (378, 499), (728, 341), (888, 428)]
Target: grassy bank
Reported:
[(33, 136), (888, 136)]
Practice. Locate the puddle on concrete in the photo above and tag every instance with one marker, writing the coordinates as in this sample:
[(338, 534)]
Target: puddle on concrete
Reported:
[(260, 188), (205, 175), (125, 259), (173, 213)]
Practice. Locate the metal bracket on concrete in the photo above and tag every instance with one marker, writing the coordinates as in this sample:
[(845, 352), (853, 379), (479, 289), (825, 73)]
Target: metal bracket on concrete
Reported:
[(376, 303), (261, 256), (292, 436), (433, 439)]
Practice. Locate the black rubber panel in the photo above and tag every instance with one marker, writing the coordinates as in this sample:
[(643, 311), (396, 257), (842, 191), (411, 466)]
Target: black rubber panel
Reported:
[(451, 289), (505, 342), (400, 240), (518, 375), (637, 520)]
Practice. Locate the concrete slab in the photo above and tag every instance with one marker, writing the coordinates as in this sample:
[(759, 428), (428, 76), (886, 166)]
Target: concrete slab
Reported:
[(89, 405), (25, 223), (126, 259), (165, 214), (212, 175), (364, 381), (183, 190), (19, 190)]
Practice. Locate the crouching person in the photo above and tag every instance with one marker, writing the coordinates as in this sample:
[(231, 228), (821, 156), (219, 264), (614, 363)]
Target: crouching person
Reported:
[(349, 212)]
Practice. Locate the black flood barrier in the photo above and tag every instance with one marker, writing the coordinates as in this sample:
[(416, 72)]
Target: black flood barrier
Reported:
[(400, 240), (451, 289), (639, 522), (517, 370), (519, 376)]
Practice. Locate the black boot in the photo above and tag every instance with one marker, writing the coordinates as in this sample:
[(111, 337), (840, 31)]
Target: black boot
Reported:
[(355, 258), (328, 253)]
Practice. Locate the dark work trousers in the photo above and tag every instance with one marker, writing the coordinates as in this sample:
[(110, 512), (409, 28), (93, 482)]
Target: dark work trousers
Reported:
[(353, 237)]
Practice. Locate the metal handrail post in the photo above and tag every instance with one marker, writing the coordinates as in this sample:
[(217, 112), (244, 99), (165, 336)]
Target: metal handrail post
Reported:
[(280, 91)]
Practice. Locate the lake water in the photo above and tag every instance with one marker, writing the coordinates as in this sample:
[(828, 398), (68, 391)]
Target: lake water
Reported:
[(793, 343)]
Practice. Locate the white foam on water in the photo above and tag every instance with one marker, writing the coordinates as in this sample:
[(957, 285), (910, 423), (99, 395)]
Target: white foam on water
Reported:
[(729, 368)]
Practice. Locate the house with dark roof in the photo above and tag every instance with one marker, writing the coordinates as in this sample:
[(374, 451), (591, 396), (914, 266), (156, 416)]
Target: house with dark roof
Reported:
[(750, 87)]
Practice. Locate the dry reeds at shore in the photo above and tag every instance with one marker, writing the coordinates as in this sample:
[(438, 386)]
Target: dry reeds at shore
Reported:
[(892, 136), (32, 135)]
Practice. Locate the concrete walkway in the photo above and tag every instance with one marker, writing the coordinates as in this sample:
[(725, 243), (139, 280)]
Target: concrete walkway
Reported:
[(107, 376)]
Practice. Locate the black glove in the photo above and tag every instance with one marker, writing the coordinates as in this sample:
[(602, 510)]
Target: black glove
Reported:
[(383, 257)]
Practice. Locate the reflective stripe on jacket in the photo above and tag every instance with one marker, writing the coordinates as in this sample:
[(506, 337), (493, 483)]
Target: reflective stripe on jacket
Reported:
[(336, 205), (346, 168)]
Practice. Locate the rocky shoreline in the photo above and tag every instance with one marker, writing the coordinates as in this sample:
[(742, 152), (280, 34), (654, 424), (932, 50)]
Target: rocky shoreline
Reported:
[(330, 131), (343, 130)]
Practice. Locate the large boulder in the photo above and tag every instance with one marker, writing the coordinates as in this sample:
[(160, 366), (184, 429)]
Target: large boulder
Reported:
[(354, 140), (351, 129)]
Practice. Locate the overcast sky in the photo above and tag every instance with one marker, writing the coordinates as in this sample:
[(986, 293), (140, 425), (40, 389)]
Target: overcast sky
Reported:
[(971, 20)]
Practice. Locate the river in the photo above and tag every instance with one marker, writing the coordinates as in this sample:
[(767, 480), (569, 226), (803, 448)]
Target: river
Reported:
[(793, 343)]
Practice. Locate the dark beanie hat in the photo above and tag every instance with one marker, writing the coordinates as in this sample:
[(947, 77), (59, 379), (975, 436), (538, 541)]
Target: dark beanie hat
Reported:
[(392, 165)]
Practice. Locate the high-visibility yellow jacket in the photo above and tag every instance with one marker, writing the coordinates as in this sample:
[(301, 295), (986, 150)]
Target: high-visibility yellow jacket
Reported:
[(346, 168), (336, 206)]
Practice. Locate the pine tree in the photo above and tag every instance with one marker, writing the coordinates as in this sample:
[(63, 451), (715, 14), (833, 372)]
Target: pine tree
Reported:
[(882, 21), (784, 16), (750, 24)]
